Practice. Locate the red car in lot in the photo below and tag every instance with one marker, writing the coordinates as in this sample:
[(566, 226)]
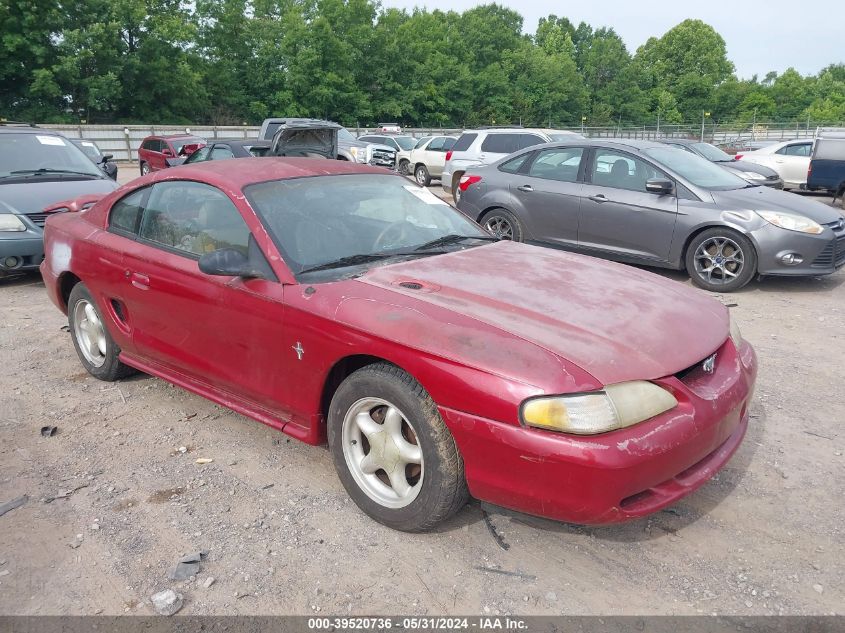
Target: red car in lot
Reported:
[(336, 302), (155, 151)]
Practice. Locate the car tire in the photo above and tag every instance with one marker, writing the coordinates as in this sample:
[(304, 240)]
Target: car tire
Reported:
[(721, 260), (430, 486), (456, 189), (145, 168), (503, 224), (404, 168), (422, 176), (94, 345)]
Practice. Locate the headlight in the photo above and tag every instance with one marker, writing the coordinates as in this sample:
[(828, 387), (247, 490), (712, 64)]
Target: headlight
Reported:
[(615, 407), (11, 222), (359, 154), (791, 222), (750, 175), (736, 335)]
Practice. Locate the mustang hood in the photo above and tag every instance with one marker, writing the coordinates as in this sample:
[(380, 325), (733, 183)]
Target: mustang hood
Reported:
[(768, 199), (615, 322), (34, 195)]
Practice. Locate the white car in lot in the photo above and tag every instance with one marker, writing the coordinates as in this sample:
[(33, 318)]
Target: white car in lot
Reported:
[(790, 159), (427, 159)]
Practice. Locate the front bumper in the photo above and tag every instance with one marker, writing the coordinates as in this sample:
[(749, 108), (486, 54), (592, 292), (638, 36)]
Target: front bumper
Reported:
[(618, 475), (20, 251), (820, 254)]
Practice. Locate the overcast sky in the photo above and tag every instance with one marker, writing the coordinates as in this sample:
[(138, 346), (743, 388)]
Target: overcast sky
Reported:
[(760, 35)]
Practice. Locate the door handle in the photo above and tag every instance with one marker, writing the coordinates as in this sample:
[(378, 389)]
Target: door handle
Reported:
[(599, 197), (142, 282), (526, 188)]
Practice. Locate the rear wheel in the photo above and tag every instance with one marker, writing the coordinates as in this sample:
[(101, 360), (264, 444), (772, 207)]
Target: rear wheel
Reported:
[(721, 260), (392, 450), (93, 343), (422, 176), (503, 224)]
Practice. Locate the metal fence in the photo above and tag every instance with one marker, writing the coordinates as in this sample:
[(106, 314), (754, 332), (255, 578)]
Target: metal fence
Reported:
[(122, 141)]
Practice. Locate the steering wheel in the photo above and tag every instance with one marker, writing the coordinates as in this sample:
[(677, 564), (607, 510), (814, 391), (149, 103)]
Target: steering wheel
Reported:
[(391, 236)]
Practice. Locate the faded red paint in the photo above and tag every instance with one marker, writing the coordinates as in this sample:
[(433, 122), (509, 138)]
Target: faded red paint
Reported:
[(491, 326)]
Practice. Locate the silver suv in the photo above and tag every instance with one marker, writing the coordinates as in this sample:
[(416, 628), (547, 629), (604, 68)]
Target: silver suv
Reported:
[(487, 145)]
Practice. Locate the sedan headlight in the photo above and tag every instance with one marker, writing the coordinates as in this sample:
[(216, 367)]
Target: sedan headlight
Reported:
[(750, 175), (11, 222), (615, 407), (791, 222)]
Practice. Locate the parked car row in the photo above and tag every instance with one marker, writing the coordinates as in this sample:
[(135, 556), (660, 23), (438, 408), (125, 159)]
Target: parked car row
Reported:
[(650, 203)]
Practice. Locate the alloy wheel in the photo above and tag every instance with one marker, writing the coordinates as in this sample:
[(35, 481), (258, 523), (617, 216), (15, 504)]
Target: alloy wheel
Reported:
[(382, 452), (500, 227), (90, 333), (719, 260)]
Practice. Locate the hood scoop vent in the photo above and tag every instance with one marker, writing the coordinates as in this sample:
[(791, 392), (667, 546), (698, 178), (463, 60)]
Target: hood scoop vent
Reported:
[(411, 285), (416, 285)]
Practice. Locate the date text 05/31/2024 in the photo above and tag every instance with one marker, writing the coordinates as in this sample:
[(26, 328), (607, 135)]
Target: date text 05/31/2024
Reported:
[(429, 623)]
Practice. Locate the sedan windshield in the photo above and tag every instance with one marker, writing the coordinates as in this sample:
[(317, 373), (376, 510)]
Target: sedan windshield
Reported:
[(697, 170), (712, 153), (43, 154), (340, 221), (405, 142)]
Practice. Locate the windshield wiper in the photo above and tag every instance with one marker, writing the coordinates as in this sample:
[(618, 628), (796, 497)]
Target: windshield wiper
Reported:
[(364, 258), (50, 170), (452, 239)]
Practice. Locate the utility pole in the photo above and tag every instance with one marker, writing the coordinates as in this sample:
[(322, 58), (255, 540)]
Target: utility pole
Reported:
[(703, 114), (658, 123)]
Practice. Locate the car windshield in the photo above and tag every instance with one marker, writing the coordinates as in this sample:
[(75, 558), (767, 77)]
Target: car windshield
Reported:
[(318, 221), (697, 170), (712, 153), (45, 153), (405, 142), (257, 150), (563, 136)]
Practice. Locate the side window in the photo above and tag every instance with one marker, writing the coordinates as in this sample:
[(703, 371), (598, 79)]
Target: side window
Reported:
[(125, 214), (448, 143), (464, 142), (560, 164), (436, 145), (221, 152), (514, 164), (499, 143), (527, 140), (422, 142), (622, 171), (798, 149), (193, 218)]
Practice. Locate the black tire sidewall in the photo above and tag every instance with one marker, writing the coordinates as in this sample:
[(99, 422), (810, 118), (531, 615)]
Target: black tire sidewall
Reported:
[(112, 368), (429, 507), (748, 250), (516, 225)]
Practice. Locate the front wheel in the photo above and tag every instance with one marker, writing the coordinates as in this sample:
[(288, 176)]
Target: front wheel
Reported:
[(392, 450), (721, 260), (94, 345), (404, 168), (503, 224), (145, 169)]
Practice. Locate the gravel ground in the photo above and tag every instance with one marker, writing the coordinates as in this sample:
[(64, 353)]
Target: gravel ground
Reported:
[(116, 498)]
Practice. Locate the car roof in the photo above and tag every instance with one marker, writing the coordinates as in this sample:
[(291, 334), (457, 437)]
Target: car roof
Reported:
[(173, 136), (241, 172), (240, 141), (26, 128), (679, 141)]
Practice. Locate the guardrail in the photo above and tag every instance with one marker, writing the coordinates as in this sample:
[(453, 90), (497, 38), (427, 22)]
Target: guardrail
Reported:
[(122, 141)]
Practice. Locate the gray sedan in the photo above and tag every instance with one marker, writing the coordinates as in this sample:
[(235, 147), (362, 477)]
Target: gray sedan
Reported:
[(647, 203)]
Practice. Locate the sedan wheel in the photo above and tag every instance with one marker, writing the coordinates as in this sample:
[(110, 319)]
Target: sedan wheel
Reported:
[(721, 260), (94, 345), (503, 224), (392, 451)]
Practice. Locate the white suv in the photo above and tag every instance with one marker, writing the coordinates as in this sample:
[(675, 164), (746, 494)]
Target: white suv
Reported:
[(487, 145)]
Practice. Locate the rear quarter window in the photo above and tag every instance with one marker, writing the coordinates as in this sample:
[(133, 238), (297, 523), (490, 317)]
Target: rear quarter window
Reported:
[(464, 142)]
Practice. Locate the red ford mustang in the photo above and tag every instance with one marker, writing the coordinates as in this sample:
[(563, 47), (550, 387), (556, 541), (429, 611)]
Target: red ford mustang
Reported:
[(336, 302)]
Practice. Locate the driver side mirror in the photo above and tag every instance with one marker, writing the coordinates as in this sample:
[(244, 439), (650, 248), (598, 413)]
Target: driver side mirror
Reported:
[(107, 157), (659, 186), (228, 262), (167, 151)]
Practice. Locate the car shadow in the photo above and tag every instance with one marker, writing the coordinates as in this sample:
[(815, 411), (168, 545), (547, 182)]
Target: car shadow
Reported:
[(821, 283), (28, 278), (667, 521)]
